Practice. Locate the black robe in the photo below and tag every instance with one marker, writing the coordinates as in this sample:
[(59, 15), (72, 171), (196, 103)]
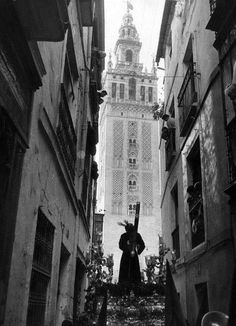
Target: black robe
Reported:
[(129, 266)]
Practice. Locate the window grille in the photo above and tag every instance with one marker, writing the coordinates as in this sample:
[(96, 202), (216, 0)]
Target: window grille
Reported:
[(41, 271)]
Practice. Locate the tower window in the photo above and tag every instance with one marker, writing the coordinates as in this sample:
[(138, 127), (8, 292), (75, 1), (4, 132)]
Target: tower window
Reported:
[(122, 91), (142, 93), (113, 90), (132, 209), (129, 55), (132, 184), (132, 89), (149, 94)]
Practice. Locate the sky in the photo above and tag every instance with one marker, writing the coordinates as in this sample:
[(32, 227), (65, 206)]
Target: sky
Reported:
[(147, 16)]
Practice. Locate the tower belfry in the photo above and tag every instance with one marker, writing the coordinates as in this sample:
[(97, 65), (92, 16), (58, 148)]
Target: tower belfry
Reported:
[(128, 158)]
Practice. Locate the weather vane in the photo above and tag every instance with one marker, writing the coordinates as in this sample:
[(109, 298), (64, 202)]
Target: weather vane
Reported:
[(129, 6)]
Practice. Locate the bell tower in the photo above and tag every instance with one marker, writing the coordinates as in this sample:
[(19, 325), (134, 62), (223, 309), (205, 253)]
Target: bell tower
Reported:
[(128, 153), (128, 45)]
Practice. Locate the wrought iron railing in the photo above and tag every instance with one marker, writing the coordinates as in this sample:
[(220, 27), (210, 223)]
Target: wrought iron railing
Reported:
[(66, 134), (187, 99)]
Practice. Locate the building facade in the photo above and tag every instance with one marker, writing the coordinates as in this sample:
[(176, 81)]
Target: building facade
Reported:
[(128, 160), (197, 157), (51, 60)]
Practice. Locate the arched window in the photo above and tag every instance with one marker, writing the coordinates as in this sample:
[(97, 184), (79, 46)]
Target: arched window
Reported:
[(132, 183), (131, 209), (129, 55), (132, 89)]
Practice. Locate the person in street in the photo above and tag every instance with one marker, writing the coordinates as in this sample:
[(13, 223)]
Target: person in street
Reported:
[(132, 245)]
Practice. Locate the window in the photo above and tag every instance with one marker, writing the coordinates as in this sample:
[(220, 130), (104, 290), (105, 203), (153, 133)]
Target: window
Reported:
[(129, 55), (41, 271), (187, 97), (132, 89), (195, 196), (149, 94), (132, 183), (113, 90), (132, 162), (131, 209), (175, 214), (122, 91), (142, 93)]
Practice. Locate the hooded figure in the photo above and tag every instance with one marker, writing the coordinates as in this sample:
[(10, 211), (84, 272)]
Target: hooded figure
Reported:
[(132, 245)]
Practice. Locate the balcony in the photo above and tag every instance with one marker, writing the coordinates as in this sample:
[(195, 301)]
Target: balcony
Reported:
[(66, 134), (187, 101), (219, 11), (43, 20), (170, 148)]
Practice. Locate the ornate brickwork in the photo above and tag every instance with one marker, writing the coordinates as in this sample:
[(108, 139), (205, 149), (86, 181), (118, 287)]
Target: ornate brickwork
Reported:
[(132, 129), (118, 140), (123, 107), (117, 190), (146, 142), (147, 193)]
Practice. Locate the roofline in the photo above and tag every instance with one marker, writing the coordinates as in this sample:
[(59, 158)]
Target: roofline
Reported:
[(167, 16)]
